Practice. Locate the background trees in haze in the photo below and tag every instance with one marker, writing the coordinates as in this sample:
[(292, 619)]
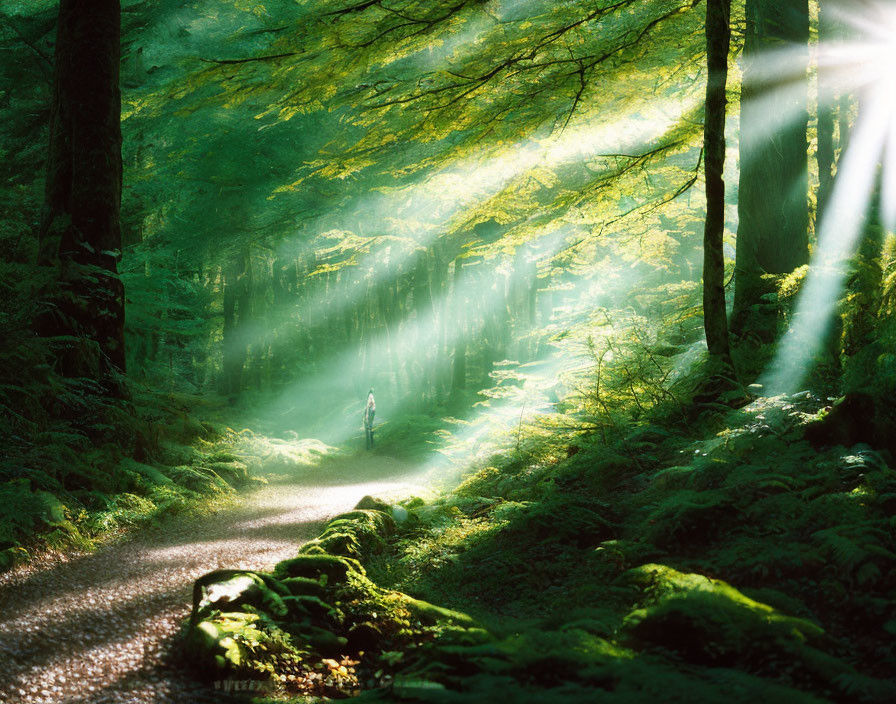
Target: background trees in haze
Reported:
[(478, 203)]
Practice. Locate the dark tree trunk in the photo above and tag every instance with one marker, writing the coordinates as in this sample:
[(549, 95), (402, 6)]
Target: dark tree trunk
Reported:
[(80, 233), (826, 154), (772, 201), (718, 38)]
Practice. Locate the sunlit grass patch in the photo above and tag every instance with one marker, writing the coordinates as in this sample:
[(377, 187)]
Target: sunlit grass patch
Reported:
[(434, 546)]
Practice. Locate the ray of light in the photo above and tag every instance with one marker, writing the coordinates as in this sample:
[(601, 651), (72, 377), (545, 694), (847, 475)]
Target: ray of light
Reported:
[(888, 184), (340, 379), (841, 226), (433, 203), (415, 216)]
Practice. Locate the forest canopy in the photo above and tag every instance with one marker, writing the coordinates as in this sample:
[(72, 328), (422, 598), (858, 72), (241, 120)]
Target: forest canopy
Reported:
[(603, 259)]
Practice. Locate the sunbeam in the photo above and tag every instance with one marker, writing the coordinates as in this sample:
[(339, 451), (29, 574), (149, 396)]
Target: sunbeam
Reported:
[(863, 69), (381, 350)]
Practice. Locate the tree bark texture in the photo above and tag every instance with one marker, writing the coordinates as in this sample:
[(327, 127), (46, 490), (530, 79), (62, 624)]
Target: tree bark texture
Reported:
[(80, 233), (718, 39)]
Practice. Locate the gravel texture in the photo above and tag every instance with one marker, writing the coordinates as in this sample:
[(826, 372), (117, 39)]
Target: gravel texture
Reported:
[(102, 627)]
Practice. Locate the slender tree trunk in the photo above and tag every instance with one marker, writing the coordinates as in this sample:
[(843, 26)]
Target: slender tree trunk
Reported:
[(844, 109), (237, 300), (718, 38), (826, 120), (772, 200), (277, 321), (80, 233)]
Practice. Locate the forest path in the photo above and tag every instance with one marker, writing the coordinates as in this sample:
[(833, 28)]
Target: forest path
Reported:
[(99, 627)]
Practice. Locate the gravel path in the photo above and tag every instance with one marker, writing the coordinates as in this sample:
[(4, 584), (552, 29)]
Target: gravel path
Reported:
[(99, 627)]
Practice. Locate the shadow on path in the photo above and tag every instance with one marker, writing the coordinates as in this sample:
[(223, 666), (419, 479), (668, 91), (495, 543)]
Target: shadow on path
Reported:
[(99, 627)]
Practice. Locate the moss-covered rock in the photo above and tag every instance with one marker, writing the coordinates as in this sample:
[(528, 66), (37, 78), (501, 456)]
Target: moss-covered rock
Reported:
[(303, 586), (319, 606), (236, 589), (239, 643), (430, 614), (310, 606), (369, 503), (335, 568), (354, 534), (709, 622)]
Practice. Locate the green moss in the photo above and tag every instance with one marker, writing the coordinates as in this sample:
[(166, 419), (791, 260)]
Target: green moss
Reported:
[(241, 589), (709, 622), (299, 586), (371, 503), (356, 534), (430, 614), (239, 644), (335, 568)]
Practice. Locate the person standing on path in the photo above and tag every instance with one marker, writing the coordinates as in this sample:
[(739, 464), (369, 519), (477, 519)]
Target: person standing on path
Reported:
[(369, 413)]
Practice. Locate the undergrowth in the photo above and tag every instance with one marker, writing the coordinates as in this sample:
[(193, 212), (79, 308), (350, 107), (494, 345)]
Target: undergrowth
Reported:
[(61, 490), (551, 554)]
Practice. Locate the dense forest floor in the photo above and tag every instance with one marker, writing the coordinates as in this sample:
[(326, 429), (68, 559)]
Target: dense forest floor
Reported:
[(99, 626), (745, 555), (635, 426)]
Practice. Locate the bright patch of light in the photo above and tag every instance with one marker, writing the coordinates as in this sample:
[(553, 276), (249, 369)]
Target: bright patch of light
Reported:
[(426, 210), (865, 69)]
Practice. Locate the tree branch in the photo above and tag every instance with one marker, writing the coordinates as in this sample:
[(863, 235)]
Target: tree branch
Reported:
[(251, 58)]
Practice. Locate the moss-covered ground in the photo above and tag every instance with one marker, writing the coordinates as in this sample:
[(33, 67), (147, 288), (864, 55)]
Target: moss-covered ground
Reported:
[(727, 560), (172, 455)]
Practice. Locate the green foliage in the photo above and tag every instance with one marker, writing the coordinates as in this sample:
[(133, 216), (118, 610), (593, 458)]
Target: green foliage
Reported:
[(83, 492), (410, 437), (320, 197), (332, 162), (25, 511), (287, 628), (636, 563), (356, 534)]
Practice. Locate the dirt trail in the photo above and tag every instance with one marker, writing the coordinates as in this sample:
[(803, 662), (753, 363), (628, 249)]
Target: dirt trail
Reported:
[(98, 628)]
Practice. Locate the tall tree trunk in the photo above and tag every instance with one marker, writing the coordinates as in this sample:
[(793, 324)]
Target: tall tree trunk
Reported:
[(80, 233), (772, 201), (844, 109), (277, 321), (245, 336), (718, 39), (826, 121)]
